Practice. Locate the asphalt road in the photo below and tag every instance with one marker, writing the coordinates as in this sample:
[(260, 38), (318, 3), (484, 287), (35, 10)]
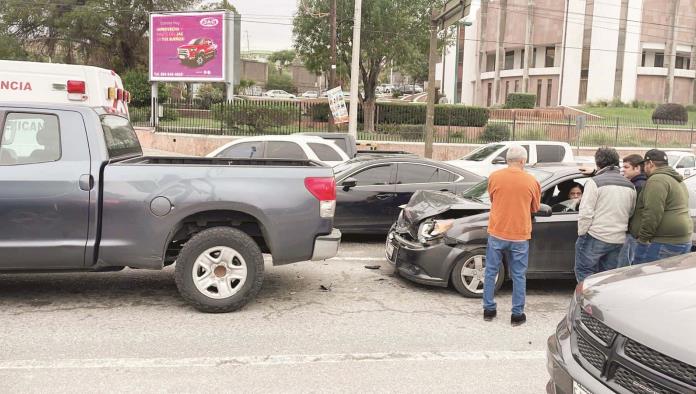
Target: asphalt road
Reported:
[(370, 332)]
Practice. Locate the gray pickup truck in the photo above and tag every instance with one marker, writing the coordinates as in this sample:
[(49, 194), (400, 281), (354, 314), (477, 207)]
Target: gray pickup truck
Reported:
[(77, 194)]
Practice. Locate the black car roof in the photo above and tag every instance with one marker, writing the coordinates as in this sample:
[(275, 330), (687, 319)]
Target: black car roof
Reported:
[(399, 158)]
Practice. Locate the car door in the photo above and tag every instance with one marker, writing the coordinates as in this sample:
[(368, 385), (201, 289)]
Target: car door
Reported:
[(369, 206), (44, 189), (552, 247)]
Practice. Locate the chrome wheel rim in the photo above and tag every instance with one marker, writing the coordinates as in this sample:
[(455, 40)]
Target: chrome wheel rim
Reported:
[(474, 272), (219, 272)]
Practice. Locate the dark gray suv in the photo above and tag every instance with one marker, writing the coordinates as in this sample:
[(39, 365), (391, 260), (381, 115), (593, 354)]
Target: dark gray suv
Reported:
[(631, 330)]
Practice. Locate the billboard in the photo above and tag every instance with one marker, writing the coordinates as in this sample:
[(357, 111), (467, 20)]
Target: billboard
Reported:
[(188, 47)]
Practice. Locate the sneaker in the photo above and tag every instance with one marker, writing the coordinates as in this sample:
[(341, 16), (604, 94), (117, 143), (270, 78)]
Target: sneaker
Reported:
[(488, 315), (518, 320)]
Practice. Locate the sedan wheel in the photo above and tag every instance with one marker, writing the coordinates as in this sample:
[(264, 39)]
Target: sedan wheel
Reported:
[(469, 273)]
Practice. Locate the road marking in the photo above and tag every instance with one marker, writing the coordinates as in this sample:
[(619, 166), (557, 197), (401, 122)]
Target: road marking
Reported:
[(107, 363), (358, 258)]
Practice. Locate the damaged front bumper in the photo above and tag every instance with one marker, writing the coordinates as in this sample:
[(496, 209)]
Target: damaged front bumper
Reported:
[(425, 264)]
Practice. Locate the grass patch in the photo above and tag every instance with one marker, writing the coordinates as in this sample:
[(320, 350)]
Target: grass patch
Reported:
[(628, 115)]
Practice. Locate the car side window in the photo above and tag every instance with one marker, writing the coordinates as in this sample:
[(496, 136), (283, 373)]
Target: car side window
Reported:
[(687, 162), (566, 196), (325, 152), (29, 138), (379, 175), (550, 153), (245, 150), (416, 173), (284, 150)]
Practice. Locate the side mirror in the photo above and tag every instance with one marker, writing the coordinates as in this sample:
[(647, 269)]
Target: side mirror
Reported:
[(544, 211), (349, 183), (499, 160)]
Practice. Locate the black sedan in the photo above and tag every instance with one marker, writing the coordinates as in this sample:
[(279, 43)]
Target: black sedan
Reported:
[(370, 189), (441, 238)]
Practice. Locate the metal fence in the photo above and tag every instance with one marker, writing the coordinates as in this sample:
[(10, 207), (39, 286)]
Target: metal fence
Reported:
[(402, 122)]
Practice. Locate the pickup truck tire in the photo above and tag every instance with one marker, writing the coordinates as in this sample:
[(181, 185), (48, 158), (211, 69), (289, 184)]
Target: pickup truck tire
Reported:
[(467, 275), (219, 270), (200, 59)]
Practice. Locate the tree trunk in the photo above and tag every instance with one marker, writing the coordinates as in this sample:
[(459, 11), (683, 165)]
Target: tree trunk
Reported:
[(369, 114)]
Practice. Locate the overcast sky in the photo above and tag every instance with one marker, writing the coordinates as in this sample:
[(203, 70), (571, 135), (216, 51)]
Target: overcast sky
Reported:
[(268, 23)]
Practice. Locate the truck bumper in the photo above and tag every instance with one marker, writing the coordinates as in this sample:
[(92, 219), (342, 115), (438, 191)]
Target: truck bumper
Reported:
[(326, 246)]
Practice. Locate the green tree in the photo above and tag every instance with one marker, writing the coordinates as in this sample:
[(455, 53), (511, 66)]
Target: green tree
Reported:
[(280, 82), (103, 33), (282, 59), (392, 30), (136, 81)]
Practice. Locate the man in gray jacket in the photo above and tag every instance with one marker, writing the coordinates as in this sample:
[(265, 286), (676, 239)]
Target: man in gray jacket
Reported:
[(605, 209)]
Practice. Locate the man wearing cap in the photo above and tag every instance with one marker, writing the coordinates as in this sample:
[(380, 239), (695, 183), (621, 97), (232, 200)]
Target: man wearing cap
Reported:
[(661, 223)]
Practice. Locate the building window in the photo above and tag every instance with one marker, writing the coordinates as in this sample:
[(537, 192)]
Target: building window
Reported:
[(488, 96), (683, 62), (534, 56), (642, 59), (517, 85), (550, 56), (490, 62), (538, 100), (507, 89), (549, 86), (509, 60), (659, 59)]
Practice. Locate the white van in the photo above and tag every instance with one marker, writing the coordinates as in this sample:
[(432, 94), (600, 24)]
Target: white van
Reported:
[(62, 83)]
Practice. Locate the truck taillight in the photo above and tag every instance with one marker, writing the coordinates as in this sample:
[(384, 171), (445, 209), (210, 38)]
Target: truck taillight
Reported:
[(78, 87), (324, 189), (119, 94)]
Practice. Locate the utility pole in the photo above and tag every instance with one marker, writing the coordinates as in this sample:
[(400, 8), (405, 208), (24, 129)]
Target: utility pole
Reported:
[(430, 110), (332, 71), (355, 70)]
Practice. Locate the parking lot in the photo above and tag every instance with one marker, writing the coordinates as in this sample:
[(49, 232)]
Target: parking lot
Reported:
[(315, 327)]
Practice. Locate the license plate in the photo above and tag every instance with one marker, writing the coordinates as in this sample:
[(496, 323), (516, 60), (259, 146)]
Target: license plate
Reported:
[(579, 389)]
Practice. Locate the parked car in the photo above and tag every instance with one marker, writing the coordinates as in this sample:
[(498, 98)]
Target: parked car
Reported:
[(683, 162), (279, 94), (440, 238), (629, 330), (491, 157), (310, 94), (197, 51), (370, 189), (295, 147), (78, 195), (347, 143)]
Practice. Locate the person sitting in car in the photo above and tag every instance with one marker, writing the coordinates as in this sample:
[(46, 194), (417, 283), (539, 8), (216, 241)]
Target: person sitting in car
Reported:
[(569, 198)]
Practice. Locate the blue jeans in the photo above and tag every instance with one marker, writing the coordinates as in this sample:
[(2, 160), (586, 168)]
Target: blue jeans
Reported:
[(593, 256), (628, 252), (517, 254), (654, 251)]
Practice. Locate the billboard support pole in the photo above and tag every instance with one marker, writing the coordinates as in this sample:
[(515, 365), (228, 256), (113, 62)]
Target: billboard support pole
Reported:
[(154, 105)]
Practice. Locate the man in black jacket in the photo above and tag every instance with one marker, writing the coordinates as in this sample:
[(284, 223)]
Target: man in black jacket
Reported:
[(633, 170)]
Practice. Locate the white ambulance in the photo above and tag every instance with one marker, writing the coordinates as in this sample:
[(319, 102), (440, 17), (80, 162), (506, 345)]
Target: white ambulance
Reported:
[(62, 83)]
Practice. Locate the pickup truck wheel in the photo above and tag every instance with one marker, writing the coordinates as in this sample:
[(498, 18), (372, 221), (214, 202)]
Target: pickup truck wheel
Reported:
[(468, 274), (219, 270)]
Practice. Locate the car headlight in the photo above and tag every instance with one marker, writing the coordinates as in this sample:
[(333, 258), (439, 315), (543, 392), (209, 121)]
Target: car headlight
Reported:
[(431, 230), (573, 308)]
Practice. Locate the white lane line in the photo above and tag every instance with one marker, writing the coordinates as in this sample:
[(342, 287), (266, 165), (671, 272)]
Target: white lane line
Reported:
[(107, 363), (358, 258)]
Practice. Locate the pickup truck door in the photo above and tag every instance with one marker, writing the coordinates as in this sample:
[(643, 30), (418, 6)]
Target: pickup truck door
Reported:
[(44, 189)]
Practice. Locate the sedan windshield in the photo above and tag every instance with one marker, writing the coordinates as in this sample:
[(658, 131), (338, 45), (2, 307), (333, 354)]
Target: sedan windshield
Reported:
[(480, 191), (195, 41), (482, 153)]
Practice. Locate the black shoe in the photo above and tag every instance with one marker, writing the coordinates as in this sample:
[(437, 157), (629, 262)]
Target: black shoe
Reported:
[(518, 320), (489, 315)]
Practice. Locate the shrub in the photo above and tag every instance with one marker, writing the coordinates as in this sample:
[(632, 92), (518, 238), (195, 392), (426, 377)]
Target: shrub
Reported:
[(280, 82), (691, 108), (520, 100), (137, 82), (445, 114), (170, 114), (495, 132), (319, 112), (404, 131), (617, 103), (258, 116), (670, 113), (209, 94)]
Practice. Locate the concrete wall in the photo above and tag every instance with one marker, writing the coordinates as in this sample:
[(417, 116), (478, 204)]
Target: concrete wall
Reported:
[(255, 71), (632, 54), (683, 90), (650, 88), (303, 79), (605, 41)]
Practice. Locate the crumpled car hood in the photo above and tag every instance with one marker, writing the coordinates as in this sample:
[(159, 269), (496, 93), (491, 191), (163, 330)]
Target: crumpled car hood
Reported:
[(428, 203), (654, 304)]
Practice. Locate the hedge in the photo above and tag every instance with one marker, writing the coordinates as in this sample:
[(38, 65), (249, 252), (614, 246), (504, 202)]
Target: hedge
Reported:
[(258, 116), (670, 113), (495, 132), (445, 114), (520, 101)]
